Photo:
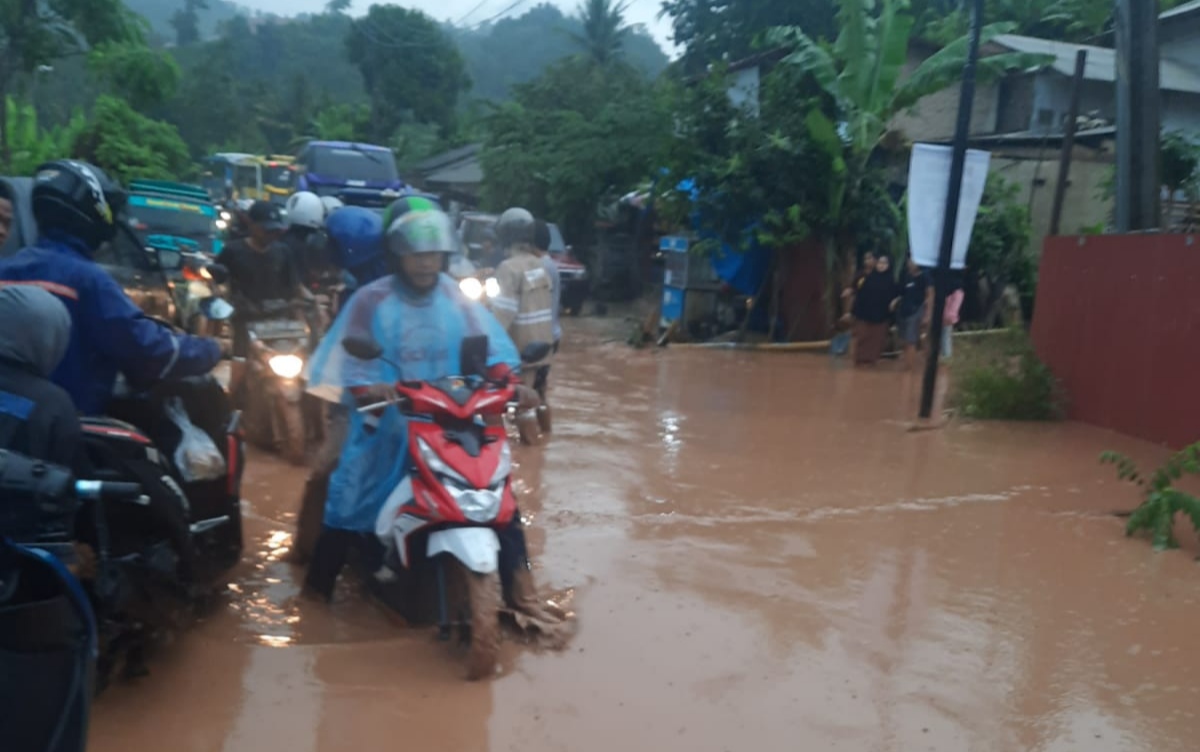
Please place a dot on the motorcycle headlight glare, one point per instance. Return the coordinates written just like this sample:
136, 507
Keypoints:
286, 366
471, 287
492, 287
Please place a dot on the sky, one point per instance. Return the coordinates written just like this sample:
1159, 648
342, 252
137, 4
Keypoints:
640, 11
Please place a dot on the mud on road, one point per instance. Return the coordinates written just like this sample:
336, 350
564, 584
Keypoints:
763, 558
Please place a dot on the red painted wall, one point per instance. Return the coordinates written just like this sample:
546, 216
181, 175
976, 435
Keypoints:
802, 294
1117, 318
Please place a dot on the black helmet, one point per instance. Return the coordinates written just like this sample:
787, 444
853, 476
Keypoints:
77, 199
516, 225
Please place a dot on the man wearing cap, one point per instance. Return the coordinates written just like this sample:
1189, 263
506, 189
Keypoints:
262, 278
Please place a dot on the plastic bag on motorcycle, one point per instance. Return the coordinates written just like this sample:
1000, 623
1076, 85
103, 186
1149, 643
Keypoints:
197, 457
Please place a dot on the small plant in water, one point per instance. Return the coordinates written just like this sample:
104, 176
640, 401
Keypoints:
1163, 501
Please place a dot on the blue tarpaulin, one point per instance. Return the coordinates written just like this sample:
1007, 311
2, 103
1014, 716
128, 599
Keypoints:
742, 269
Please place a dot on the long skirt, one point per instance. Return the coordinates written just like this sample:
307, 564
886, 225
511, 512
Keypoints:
869, 340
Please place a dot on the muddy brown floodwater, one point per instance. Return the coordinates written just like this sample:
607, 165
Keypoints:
763, 558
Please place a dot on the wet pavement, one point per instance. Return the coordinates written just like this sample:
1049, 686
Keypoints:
763, 558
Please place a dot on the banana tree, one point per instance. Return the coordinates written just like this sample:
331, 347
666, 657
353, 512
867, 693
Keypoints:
862, 75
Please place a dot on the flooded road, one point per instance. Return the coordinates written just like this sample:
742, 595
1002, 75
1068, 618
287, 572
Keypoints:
763, 558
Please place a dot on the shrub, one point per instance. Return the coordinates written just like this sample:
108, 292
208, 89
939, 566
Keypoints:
1003, 379
1157, 512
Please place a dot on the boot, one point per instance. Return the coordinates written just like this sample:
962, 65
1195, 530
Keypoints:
527, 427
543, 417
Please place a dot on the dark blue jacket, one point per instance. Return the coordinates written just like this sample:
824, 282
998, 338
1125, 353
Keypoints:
108, 332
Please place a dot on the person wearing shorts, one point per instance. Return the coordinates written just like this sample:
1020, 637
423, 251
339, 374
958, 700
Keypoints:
915, 306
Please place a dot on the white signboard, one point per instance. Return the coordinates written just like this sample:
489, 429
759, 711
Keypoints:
928, 181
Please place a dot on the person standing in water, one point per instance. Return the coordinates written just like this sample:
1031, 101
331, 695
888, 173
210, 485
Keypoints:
873, 307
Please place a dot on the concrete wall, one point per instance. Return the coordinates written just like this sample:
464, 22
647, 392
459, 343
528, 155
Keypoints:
934, 116
1116, 319
1036, 173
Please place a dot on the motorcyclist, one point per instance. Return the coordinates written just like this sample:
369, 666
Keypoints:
541, 243
37, 417
305, 237
525, 305
263, 280
77, 209
419, 317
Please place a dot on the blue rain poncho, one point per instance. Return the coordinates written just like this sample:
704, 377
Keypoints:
423, 335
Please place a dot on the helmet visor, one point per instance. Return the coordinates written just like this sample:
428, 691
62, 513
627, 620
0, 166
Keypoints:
422, 232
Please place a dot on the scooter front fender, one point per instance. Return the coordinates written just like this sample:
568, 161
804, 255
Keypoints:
478, 548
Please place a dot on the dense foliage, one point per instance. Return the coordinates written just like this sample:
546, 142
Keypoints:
1000, 252
1002, 378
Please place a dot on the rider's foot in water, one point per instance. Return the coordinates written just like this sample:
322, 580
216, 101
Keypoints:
527, 427
543, 417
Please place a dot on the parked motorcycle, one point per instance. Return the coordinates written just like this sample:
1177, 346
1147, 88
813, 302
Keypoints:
182, 443
279, 347
456, 499
48, 632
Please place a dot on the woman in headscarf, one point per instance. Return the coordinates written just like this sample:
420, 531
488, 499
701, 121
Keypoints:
37, 417
873, 306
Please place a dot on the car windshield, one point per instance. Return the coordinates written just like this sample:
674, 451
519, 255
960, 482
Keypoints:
475, 231
368, 165
279, 176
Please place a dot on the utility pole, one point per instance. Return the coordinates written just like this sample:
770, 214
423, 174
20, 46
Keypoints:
1138, 102
1068, 145
958, 159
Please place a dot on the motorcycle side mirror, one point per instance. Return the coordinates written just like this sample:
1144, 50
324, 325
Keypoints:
363, 348
219, 273
473, 355
535, 351
216, 309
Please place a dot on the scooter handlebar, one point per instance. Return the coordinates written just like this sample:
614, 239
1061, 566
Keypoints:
106, 489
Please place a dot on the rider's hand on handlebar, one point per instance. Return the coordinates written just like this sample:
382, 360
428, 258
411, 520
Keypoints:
226, 348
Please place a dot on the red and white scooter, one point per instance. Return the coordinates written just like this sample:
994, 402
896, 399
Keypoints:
458, 493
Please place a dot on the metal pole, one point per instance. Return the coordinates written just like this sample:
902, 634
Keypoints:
966, 99
1138, 102
1068, 146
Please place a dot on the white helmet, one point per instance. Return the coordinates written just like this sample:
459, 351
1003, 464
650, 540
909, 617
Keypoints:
332, 204
305, 209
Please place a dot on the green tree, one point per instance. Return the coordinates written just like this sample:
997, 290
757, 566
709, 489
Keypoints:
518, 49
999, 252
337, 6
569, 137
32, 145
604, 30
1179, 156
409, 66
142, 76
714, 30
861, 77
34, 34
130, 145
186, 22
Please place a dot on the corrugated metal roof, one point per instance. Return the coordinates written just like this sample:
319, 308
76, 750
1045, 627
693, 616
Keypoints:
1183, 10
1101, 62
465, 173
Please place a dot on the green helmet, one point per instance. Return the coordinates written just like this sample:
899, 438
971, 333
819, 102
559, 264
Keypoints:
428, 231
407, 204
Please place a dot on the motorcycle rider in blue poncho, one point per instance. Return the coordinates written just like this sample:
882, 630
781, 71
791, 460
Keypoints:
77, 208
420, 318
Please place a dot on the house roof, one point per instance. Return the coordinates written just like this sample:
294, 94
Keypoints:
467, 172
1187, 9
1094, 136
1101, 62
448, 158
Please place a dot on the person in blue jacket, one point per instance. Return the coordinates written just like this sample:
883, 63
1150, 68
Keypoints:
420, 318
77, 208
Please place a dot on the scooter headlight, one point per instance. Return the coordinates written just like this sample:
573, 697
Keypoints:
471, 287
491, 287
286, 366
222, 224
477, 504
